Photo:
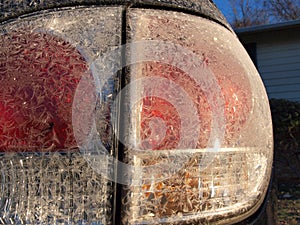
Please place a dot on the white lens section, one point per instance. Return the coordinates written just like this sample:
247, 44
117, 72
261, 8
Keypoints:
224, 188
50, 189
224, 175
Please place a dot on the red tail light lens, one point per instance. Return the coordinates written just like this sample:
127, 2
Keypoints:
237, 100
39, 78
153, 107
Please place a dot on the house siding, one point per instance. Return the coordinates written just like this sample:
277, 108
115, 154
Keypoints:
278, 61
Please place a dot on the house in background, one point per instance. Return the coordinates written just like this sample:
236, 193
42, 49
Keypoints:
275, 50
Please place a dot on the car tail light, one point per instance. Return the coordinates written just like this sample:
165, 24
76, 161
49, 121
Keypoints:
172, 127
221, 173
43, 58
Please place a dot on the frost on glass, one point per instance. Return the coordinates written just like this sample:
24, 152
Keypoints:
44, 177
39, 77
51, 189
222, 183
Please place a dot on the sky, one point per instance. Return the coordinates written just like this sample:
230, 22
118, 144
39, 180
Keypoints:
225, 8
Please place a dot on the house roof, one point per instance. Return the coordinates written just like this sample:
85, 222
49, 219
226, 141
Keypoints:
269, 27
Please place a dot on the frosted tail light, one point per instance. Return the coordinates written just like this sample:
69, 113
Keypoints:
44, 178
173, 127
222, 174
